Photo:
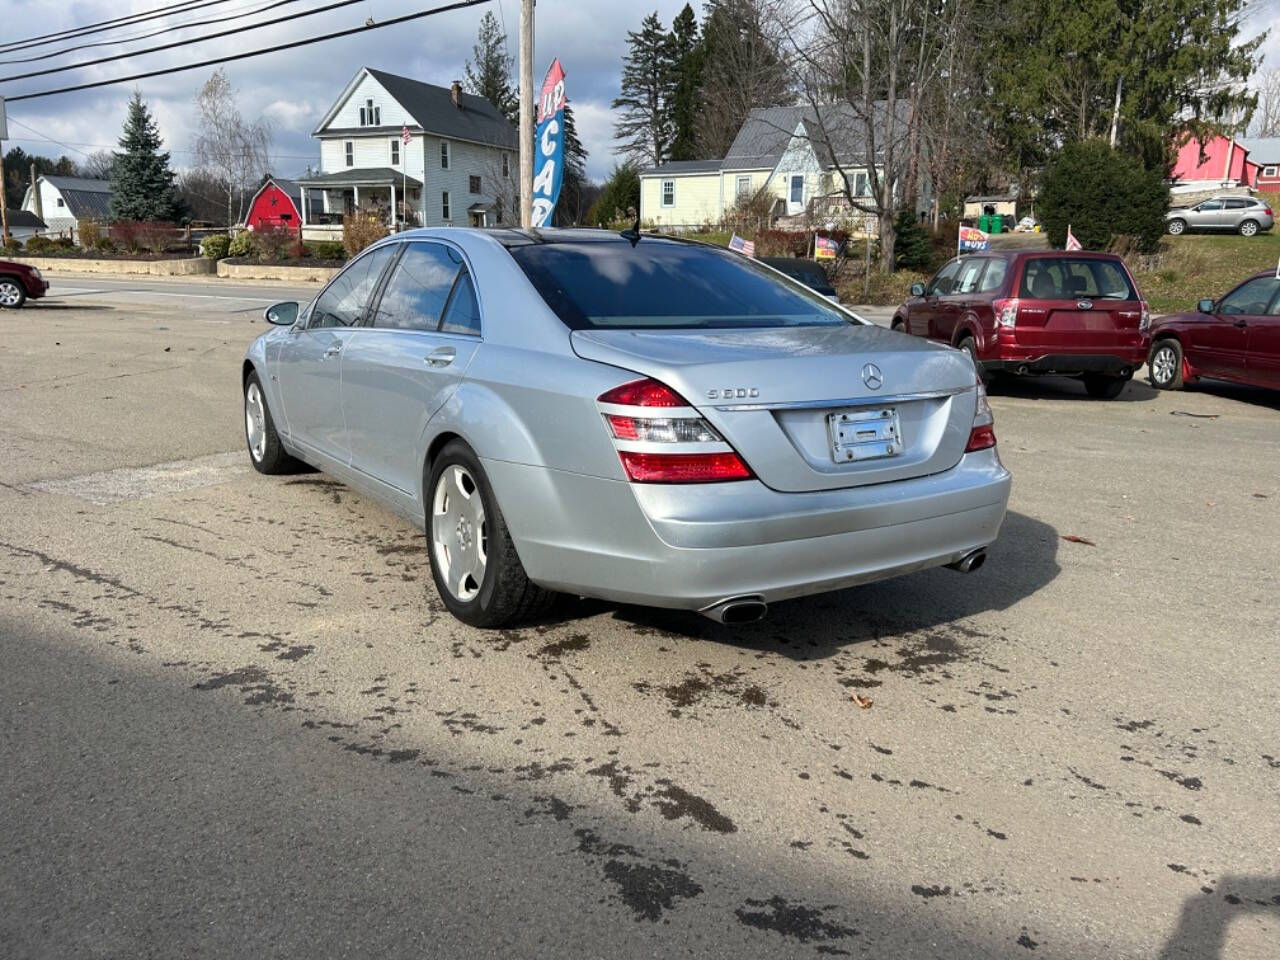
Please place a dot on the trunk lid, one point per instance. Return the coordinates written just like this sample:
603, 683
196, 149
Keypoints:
771, 393
1078, 326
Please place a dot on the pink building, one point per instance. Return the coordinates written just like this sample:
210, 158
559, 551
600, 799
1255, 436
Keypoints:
1219, 162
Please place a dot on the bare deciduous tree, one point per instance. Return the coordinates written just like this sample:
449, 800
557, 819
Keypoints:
98, 165
232, 150
1266, 116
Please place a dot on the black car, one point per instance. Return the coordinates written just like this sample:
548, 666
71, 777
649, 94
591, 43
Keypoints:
808, 272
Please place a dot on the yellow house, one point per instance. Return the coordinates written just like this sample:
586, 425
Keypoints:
780, 154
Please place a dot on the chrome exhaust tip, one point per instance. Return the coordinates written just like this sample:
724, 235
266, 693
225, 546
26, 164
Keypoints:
970, 562
737, 610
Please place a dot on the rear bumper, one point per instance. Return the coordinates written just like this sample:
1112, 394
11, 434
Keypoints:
692, 546
1119, 363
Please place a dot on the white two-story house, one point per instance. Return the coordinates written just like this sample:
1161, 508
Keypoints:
459, 167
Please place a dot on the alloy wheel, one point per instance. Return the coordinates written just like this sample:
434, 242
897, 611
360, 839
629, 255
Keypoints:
1164, 365
459, 538
10, 295
1176, 227
255, 422
1248, 228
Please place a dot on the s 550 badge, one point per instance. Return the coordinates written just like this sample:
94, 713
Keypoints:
733, 393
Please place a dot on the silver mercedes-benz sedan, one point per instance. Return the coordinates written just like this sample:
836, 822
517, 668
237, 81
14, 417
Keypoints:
631, 417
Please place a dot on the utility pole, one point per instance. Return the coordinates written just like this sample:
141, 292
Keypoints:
4, 207
526, 113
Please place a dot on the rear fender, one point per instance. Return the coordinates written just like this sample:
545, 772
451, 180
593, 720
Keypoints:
968, 327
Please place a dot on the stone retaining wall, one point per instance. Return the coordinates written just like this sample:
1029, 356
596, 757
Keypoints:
195, 266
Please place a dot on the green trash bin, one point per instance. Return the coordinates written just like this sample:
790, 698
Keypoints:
996, 224
984, 223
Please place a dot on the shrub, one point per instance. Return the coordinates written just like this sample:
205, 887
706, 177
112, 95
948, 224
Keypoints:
327, 250
39, 245
89, 232
104, 245
271, 243
359, 230
125, 234
1101, 194
781, 243
63, 243
241, 244
913, 248
215, 246
156, 236
13, 247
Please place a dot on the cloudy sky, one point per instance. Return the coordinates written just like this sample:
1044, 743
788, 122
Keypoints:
294, 88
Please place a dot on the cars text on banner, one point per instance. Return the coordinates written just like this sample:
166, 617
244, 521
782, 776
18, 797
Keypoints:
548, 162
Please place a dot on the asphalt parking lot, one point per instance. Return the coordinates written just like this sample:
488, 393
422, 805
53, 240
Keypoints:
235, 719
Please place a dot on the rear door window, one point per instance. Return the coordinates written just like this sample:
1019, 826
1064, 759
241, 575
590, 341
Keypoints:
967, 279
1238, 204
993, 279
1072, 278
462, 315
418, 290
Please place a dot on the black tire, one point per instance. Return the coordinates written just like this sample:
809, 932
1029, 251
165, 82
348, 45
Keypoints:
1248, 228
506, 595
1177, 227
969, 346
1101, 386
1164, 365
899, 325
269, 457
12, 293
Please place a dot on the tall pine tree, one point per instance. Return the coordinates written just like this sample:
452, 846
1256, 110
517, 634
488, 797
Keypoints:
489, 75
141, 181
644, 126
686, 58
569, 208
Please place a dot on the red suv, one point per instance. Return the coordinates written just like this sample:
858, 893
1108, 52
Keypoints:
1076, 314
18, 283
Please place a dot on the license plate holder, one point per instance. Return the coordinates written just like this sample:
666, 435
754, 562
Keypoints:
866, 434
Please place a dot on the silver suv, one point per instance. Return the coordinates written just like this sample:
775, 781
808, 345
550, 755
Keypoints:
1243, 215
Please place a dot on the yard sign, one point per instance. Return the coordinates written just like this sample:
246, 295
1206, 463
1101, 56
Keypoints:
549, 150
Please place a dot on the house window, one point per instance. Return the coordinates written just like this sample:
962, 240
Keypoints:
506, 166
444, 154
1268, 171
744, 188
797, 188
860, 185
474, 183
445, 212
370, 116
668, 193
61, 202
363, 122
395, 151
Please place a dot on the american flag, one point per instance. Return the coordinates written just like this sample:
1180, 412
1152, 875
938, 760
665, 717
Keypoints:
406, 136
745, 247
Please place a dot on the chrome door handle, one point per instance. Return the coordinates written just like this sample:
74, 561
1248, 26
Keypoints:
333, 351
441, 357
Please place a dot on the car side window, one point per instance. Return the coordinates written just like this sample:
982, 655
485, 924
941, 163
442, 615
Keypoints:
1237, 204
967, 280
940, 286
463, 313
1249, 299
1209, 205
345, 300
994, 277
416, 294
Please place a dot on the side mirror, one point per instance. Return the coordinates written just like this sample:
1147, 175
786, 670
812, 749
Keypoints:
1205, 306
281, 314
917, 289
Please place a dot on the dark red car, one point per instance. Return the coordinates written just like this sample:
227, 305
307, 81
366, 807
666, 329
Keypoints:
1075, 314
19, 283
1235, 338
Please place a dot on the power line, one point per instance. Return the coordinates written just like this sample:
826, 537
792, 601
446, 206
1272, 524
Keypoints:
74, 145
243, 28
458, 5
186, 6
234, 15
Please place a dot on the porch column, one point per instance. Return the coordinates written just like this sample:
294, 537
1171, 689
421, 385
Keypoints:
356, 190
304, 206
395, 227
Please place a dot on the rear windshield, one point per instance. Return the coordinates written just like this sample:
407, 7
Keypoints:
1070, 278
664, 283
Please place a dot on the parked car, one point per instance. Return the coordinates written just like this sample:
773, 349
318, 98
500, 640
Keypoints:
20, 283
1043, 312
808, 272
1243, 215
641, 419
1234, 338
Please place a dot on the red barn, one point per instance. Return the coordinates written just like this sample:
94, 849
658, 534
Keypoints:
1215, 163
1265, 152
278, 203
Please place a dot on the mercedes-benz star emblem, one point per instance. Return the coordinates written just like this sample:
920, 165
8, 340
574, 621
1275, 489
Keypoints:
872, 376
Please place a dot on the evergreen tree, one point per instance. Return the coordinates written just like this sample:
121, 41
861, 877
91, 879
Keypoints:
686, 58
645, 97
619, 199
569, 207
912, 248
141, 181
1122, 199
489, 76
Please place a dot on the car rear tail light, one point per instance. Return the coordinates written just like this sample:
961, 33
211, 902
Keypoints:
1268, 212
643, 393
683, 467
1145, 322
661, 438
982, 435
1006, 312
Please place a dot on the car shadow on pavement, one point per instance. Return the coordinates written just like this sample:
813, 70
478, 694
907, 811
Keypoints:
1022, 561
1065, 388
1201, 933
1239, 392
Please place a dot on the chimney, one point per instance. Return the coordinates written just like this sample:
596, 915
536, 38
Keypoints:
35, 193
455, 92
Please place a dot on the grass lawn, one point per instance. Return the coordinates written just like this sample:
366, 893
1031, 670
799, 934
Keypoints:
1191, 268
